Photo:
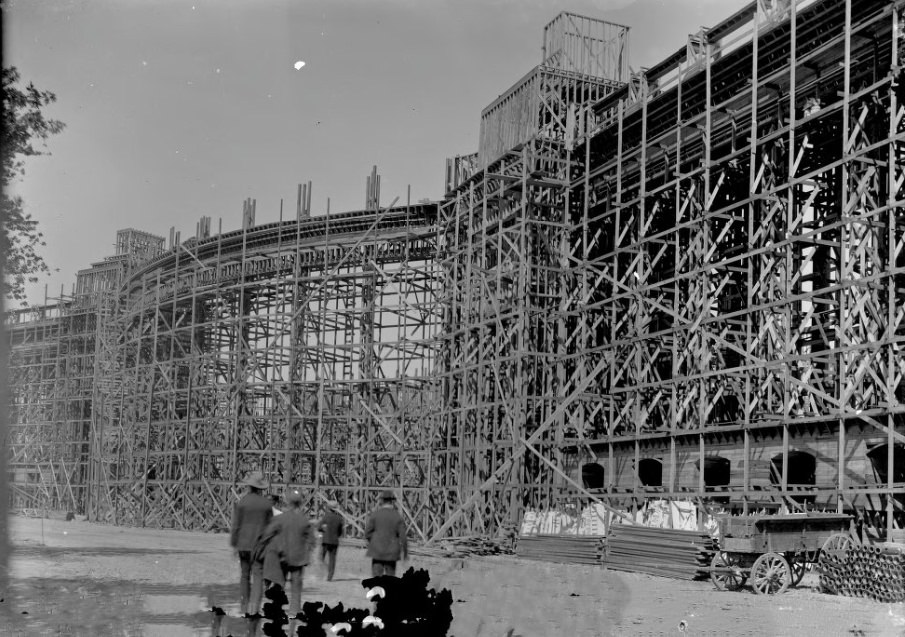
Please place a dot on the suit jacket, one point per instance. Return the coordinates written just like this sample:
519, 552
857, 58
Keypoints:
331, 525
250, 516
297, 537
386, 535
267, 552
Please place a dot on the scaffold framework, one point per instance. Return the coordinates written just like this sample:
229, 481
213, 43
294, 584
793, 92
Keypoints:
683, 283
743, 244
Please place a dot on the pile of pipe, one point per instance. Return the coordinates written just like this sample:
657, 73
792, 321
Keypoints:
566, 549
874, 571
663, 552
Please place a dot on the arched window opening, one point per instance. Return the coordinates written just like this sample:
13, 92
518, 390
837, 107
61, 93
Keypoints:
802, 472
802, 469
716, 471
650, 472
592, 476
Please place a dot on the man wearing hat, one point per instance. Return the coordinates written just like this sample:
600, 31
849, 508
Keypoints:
386, 536
250, 517
331, 526
298, 541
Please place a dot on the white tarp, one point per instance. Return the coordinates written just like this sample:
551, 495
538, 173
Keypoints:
668, 514
591, 520
684, 515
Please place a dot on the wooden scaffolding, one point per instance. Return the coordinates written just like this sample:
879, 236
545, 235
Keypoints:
685, 283
742, 231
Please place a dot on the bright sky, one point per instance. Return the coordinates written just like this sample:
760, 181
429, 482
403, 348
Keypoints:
176, 109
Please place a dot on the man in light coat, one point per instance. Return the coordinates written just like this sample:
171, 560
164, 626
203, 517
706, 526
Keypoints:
386, 535
250, 516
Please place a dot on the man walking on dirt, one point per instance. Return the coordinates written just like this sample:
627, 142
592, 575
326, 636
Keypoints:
250, 517
386, 536
284, 548
331, 526
297, 535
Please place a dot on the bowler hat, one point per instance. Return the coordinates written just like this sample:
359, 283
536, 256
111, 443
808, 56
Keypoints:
387, 496
256, 479
293, 496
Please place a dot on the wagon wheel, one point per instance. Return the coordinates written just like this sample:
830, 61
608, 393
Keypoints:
770, 574
837, 545
725, 580
798, 562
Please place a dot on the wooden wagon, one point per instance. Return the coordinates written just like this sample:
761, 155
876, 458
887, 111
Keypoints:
773, 551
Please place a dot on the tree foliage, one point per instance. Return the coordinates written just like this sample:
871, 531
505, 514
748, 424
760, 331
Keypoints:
25, 129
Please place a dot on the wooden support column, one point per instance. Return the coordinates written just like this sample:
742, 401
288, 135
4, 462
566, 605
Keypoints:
151, 379
892, 193
844, 319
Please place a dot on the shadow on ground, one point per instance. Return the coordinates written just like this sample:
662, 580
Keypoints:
109, 551
90, 607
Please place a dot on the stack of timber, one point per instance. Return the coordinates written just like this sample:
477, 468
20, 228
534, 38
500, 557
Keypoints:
663, 552
873, 571
566, 549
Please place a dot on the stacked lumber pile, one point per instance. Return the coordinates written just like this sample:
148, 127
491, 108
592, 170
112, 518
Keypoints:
567, 549
662, 552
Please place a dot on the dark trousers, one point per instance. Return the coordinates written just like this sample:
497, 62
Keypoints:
328, 557
383, 567
294, 576
251, 583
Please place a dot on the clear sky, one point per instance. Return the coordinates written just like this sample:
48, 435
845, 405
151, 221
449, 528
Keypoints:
176, 109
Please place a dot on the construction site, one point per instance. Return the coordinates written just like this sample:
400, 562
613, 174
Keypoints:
681, 284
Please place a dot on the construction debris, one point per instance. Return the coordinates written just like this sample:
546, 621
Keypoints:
467, 546
482, 546
663, 552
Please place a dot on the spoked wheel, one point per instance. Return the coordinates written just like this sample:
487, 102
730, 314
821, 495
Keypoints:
837, 545
832, 556
798, 562
727, 580
770, 574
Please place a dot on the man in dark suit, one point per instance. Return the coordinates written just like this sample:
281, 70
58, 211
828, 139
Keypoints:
250, 517
288, 541
386, 536
331, 526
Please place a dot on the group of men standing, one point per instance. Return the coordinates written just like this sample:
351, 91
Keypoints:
274, 547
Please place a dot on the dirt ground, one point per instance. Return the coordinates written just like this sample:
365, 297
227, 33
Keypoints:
78, 578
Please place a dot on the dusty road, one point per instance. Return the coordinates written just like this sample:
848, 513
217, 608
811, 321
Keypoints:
77, 578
